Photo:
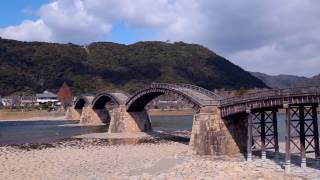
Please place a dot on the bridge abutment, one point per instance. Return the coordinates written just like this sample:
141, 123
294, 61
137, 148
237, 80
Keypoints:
213, 135
123, 121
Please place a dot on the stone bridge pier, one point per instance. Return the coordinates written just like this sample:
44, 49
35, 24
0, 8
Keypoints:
73, 114
76, 111
94, 116
210, 133
213, 135
123, 121
118, 118
109, 108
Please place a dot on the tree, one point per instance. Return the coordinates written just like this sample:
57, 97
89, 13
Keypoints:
65, 95
241, 91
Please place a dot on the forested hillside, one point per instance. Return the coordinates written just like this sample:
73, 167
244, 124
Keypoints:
36, 66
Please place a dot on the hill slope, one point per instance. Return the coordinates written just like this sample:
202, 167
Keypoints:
287, 81
36, 66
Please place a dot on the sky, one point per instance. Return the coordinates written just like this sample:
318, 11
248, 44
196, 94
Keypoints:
269, 36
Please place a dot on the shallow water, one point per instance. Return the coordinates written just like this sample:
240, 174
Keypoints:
17, 132
172, 122
43, 131
20, 132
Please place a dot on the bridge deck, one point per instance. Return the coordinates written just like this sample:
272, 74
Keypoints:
270, 98
202, 96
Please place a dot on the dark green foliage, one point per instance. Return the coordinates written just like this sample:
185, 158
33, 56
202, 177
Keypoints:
38, 66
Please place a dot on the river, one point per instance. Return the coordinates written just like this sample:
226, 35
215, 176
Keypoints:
42, 131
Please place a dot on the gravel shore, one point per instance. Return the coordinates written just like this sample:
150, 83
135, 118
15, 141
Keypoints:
163, 160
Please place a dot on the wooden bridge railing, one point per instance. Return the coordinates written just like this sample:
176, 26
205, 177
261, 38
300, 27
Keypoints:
267, 94
214, 98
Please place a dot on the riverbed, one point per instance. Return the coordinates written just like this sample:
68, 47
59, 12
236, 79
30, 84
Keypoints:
47, 131
59, 158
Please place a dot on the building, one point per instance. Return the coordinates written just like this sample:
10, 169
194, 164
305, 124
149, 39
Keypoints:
28, 100
47, 97
10, 101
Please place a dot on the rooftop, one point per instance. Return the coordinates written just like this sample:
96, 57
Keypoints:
46, 94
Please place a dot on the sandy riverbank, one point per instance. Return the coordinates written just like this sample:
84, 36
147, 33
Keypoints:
165, 160
6, 115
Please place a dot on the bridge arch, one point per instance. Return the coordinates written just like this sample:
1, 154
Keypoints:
75, 112
98, 112
194, 95
100, 100
203, 102
82, 101
130, 114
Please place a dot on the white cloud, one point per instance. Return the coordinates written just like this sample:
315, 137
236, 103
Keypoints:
69, 21
60, 21
257, 35
27, 31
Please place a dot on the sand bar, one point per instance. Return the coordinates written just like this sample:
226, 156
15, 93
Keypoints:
165, 160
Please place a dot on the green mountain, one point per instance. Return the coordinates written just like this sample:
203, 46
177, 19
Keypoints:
287, 81
36, 66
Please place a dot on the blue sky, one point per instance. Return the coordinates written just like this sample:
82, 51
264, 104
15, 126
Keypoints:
274, 36
16, 11
122, 33
12, 11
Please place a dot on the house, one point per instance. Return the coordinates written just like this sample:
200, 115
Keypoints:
28, 100
47, 97
10, 101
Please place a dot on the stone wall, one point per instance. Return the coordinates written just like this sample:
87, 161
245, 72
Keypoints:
123, 121
212, 135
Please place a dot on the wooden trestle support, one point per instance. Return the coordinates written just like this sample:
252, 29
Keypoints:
262, 132
301, 132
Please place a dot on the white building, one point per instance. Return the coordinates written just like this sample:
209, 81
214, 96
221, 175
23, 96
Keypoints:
10, 101
47, 97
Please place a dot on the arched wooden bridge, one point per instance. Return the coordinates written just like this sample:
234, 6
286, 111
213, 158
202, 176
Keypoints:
221, 126
195, 95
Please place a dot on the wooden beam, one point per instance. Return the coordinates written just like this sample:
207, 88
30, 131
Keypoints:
315, 131
263, 135
302, 137
287, 138
275, 131
249, 136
